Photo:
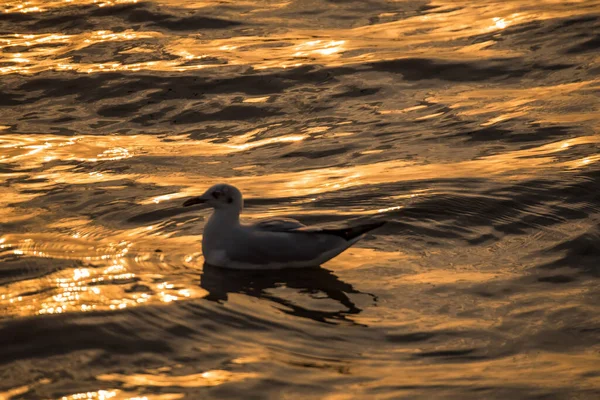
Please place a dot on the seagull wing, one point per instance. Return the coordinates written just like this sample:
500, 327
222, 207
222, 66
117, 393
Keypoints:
278, 225
277, 248
283, 243
293, 226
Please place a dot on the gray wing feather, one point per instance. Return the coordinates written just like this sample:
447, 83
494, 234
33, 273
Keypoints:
278, 225
263, 247
285, 240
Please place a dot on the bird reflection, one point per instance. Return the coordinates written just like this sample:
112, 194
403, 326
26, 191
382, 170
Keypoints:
219, 282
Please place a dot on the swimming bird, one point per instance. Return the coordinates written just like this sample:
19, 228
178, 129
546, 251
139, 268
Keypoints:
269, 244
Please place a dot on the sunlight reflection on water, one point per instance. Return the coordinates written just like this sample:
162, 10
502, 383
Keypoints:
472, 127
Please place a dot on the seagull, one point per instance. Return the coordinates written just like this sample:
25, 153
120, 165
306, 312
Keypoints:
274, 243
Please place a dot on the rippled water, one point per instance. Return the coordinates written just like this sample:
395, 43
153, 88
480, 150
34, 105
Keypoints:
472, 126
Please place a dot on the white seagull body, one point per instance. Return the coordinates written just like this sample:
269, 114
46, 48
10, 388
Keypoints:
269, 244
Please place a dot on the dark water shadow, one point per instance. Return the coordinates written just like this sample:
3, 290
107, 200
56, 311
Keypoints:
319, 283
143, 15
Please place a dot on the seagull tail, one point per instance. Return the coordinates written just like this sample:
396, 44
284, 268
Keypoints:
354, 232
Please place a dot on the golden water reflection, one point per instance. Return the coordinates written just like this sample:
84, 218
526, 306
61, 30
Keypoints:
413, 36
538, 369
39, 151
511, 166
512, 102
116, 394
156, 380
29, 6
101, 276
208, 378
86, 264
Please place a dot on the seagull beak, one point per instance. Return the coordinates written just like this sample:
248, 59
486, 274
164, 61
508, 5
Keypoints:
194, 200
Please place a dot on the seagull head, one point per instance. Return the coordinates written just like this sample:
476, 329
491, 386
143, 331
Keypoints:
220, 196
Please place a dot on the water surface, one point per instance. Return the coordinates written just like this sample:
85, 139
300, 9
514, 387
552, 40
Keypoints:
473, 127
